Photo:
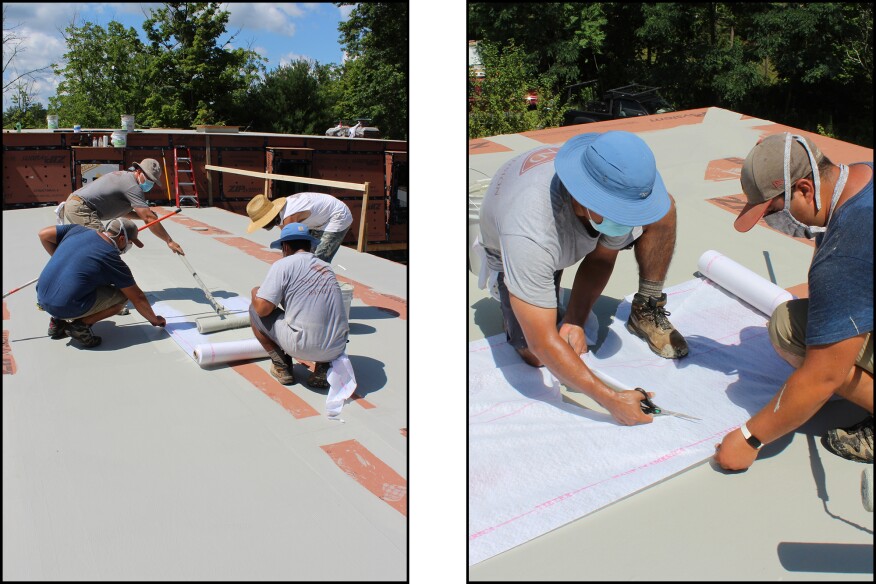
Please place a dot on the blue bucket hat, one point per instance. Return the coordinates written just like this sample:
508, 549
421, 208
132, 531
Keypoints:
615, 175
293, 231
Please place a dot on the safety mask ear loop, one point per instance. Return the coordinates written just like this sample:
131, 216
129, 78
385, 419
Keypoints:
787, 180
837, 192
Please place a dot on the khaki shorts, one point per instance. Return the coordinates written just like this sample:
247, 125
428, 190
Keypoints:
788, 332
107, 296
77, 212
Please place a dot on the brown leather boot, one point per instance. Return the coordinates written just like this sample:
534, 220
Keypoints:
648, 321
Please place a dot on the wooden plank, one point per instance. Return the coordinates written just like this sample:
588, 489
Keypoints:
300, 179
362, 222
387, 246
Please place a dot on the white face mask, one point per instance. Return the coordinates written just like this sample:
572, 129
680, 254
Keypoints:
129, 243
784, 221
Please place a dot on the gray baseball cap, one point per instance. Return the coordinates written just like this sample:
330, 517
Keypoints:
151, 169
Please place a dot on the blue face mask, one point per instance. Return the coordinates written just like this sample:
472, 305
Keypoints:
146, 185
609, 227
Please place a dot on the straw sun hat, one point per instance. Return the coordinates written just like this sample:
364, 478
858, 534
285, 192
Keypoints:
262, 211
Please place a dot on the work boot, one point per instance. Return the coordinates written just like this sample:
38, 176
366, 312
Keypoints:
82, 333
56, 328
281, 367
318, 379
852, 443
648, 321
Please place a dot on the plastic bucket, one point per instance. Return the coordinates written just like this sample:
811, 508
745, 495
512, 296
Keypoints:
128, 122
347, 296
119, 138
52, 121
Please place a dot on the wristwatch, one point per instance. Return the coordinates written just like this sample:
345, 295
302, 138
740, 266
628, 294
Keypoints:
749, 437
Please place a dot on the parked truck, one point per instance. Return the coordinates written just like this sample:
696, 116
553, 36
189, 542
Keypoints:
624, 102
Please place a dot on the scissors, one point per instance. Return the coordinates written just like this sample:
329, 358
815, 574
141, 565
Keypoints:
650, 407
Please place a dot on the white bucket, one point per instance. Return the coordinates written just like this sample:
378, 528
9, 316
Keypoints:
347, 296
52, 120
119, 138
128, 122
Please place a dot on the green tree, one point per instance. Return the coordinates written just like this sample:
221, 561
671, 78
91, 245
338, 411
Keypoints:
103, 76
374, 82
24, 110
193, 77
294, 99
498, 101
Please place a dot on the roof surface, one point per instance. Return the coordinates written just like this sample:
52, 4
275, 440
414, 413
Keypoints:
130, 461
797, 513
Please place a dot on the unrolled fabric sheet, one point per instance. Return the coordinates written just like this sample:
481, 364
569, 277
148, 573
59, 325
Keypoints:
341, 378
537, 463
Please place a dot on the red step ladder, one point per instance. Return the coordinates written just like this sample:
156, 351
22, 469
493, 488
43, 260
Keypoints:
184, 178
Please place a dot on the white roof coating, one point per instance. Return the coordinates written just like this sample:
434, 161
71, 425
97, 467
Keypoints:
797, 513
130, 461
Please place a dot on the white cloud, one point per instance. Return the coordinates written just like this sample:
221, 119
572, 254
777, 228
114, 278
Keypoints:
276, 18
290, 57
345, 11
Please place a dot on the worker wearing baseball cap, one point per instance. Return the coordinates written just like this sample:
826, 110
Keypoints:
826, 337
550, 208
119, 194
86, 280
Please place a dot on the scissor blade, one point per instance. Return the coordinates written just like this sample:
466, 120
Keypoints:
679, 415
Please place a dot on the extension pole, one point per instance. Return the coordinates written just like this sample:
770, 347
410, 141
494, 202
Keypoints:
162, 218
220, 310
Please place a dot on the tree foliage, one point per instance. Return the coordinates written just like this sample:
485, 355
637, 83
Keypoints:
808, 65
374, 83
195, 78
103, 74
24, 110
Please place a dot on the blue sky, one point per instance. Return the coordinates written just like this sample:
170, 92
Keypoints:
280, 32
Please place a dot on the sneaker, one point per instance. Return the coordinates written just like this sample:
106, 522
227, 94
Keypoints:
282, 374
82, 333
648, 321
852, 443
318, 379
56, 328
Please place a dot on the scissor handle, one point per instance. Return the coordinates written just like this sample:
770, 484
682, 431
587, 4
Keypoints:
647, 405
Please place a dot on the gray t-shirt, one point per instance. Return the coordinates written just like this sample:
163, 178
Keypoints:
306, 287
113, 195
529, 228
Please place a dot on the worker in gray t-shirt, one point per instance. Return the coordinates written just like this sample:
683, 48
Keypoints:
312, 323
119, 194
550, 208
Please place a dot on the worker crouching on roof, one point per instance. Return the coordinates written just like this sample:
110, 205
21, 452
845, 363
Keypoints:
828, 337
547, 209
86, 279
119, 194
312, 323
327, 217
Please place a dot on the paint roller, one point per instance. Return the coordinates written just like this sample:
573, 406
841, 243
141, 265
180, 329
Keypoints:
151, 223
224, 319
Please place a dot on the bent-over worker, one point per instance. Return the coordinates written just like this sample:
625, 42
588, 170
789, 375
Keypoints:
327, 218
119, 194
298, 311
86, 280
828, 337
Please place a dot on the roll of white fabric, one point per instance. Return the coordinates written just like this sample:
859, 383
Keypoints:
214, 353
742, 282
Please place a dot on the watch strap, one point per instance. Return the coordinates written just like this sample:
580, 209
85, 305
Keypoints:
749, 437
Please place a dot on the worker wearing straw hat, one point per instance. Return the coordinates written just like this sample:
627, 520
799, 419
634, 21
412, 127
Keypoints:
327, 218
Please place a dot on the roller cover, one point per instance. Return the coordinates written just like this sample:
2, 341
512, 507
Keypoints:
215, 353
212, 324
739, 280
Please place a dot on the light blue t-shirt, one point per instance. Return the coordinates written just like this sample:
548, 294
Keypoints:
316, 321
841, 274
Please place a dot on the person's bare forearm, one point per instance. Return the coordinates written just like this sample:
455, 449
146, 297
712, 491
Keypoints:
590, 280
570, 370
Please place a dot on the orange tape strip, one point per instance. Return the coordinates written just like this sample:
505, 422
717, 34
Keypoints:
370, 472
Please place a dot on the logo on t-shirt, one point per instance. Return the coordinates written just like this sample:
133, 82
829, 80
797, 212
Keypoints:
538, 158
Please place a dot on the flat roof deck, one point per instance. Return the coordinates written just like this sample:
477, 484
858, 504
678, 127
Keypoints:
797, 513
130, 461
